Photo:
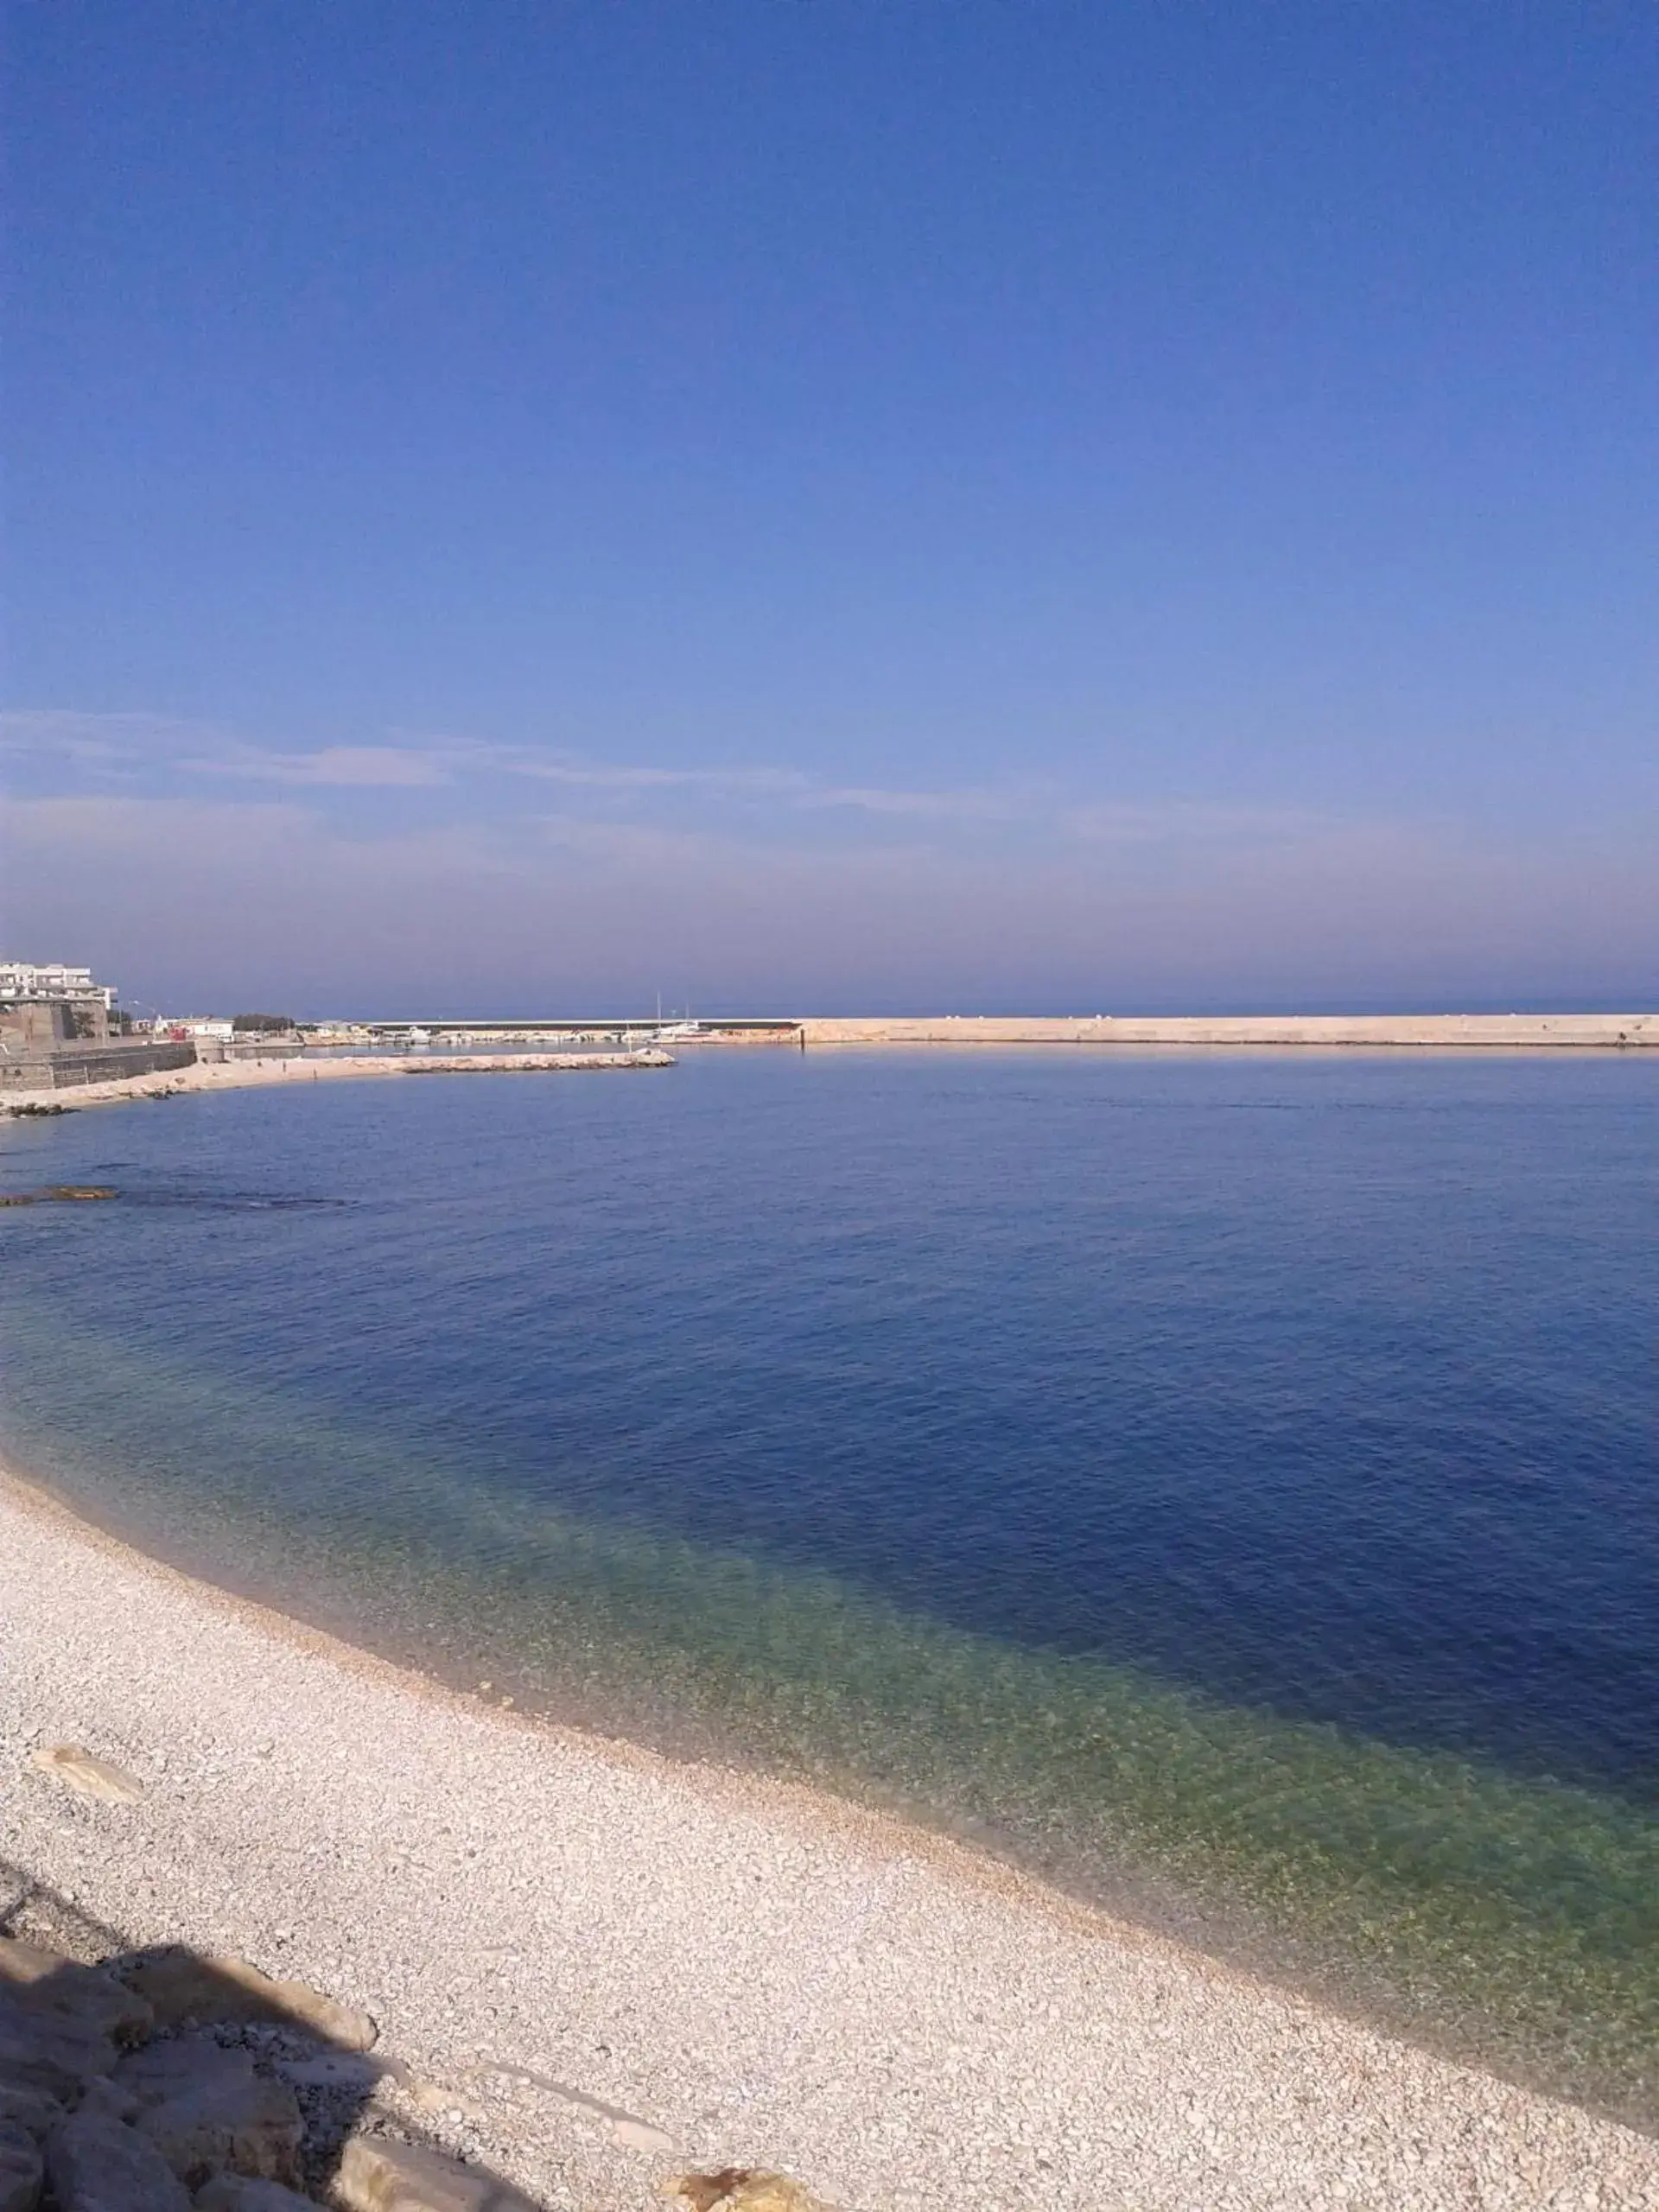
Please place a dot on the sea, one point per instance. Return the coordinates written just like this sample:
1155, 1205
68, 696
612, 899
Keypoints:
1226, 1484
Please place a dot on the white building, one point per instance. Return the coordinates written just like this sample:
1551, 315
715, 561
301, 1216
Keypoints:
24, 980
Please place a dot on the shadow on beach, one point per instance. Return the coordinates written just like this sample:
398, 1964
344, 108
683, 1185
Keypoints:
159, 2079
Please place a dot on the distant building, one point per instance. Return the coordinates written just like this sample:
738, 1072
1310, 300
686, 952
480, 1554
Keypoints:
25, 979
45, 1005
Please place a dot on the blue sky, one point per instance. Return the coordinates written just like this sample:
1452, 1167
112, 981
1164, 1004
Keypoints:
524, 506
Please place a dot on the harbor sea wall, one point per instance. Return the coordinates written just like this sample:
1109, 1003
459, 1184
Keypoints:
1416, 1031
72, 1065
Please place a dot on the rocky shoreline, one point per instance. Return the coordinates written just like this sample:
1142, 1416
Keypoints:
136, 2079
159, 2081
295, 1074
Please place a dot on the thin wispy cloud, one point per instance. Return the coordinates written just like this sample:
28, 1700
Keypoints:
106, 743
72, 725
756, 799
341, 768
785, 787
1046, 809
610, 776
579, 876
1186, 821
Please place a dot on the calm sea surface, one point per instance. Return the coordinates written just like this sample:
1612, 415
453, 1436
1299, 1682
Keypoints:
1230, 1482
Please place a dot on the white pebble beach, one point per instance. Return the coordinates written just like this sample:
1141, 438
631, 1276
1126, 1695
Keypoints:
607, 1967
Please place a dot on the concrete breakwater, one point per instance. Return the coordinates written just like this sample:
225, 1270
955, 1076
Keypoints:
1329, 1032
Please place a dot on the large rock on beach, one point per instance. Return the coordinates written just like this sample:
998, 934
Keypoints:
235, 2193
179, 1985
32, 2110
379, 2174
42, 2051
108, 2103
208, 2112
45, 1981
21, 2169
95, 2165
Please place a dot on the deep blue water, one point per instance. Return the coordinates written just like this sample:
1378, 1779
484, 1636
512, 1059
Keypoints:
1324, 1389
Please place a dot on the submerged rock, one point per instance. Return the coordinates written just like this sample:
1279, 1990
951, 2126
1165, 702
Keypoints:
56, 1193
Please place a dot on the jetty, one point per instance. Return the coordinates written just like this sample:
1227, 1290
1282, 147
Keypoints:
1529, 1033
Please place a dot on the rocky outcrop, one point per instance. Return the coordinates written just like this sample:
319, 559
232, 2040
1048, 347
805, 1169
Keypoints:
31, 2109
21, 2169
127, 2086
231, 2193
55, 2056
96, 2165
42, 1980
649, 1056
208, 2112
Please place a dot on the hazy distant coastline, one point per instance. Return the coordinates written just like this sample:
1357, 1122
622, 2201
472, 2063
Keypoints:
1515, 1033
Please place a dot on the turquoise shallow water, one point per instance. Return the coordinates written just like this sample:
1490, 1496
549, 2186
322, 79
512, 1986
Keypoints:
1231, 1484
